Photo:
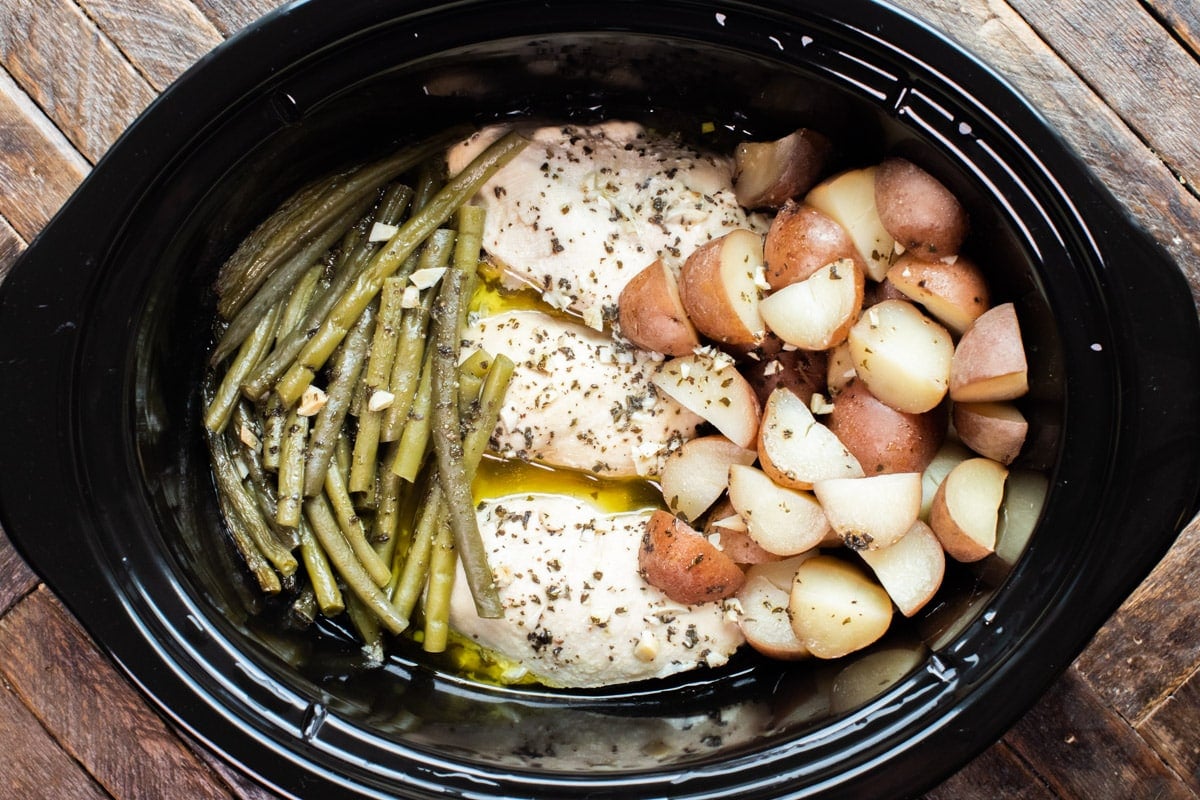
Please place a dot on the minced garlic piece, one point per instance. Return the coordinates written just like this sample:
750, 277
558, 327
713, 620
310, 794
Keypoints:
380, 400
381, 232
819, 405
312, 401
646, 648
425, 278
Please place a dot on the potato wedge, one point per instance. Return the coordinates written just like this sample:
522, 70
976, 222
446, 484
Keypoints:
652, 316
817, 312
871, 512
839, 369
918, 210
849, 199
994, 430
965, 510
720, 287
952, 290
801, 240
947, 458
727, 530
871, 674
711, 387
882, 438
989, 361
835, 608
910, 569
801, 371
902, 355
782, 521
764, 600
683, 564
795, 449
697, 472
766, 174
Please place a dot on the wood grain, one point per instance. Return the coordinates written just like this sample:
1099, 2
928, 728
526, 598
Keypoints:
1183, 17
38, 167
11, 246
1172, 731
54, 668
997, 774
73, 72
16, 579
230, 16
162, 38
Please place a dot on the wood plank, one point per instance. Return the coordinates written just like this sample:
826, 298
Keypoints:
38, 167
34, 764
11, 246
72, 71
1171, 730
1182, 17
996, 774
16, 578
161, 37
77, 693
230, 16
1152, 644
1084, 750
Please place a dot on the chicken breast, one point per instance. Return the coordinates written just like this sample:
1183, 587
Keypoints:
577, 613
583, 209
579, 400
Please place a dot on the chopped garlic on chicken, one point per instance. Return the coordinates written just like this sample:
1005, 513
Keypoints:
583, 209
576, 611
577, 399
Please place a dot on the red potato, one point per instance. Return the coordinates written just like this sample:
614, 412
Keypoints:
782, 521
989, 361
902, 356
871, 512
849, 199
766, 174
965, 510
994, 430
836, 608
732, 537
865, 678
918, 210
683, 564
882, 438
801, 240
651, 313
764, 599
795, 450
953, 290
910, 569
712, 388
817, 312
947, 458
697, 472
801, 371
719, 286
839, 369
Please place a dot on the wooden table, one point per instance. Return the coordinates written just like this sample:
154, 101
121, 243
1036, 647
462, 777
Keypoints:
1119, 78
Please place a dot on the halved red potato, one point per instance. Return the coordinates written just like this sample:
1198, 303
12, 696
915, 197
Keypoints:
953, 290
782, 521
849, 199
697, 472
803, 239
864, 678
801, 371
882, 438
989, 361
839, 369
871, 512
719, 286
726, 528
836, 608
948, 456
764, 599
995, 430
766, 174
965, 511
817, 312
683, 564
711, 387
795, 449
918, 210
910, 569
902, 355
651, 313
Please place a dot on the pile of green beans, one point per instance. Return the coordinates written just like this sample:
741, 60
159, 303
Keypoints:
343, 427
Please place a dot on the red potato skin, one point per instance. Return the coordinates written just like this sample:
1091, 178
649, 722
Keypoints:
802, 371
800, 241
805, 154
652, 316
918, 210
883, 439
687, 567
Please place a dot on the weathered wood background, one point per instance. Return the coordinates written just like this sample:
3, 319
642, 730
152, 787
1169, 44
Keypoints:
1119, 78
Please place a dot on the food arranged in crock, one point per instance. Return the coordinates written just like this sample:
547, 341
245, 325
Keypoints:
596, 406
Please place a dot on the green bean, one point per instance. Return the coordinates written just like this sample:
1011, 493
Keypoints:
251, 351
320, 574
274, 422
302, 218
352, 527
366, 624
264, 575
391, 209
298, 302
325, 527
406, 369
442, 562
291, 470
414, 441
379, 369
411, 234
263, 488
430, 178
408, 581
328, 423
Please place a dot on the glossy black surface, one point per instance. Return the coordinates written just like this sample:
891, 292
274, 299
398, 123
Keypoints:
104, 322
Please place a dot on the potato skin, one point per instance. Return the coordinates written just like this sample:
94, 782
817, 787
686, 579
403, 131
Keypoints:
651, 314
707, 299
918, 210
683, 564
883, 439
770, 173
802, 371
800, 241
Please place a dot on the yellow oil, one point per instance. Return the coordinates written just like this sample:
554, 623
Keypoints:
498, 477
